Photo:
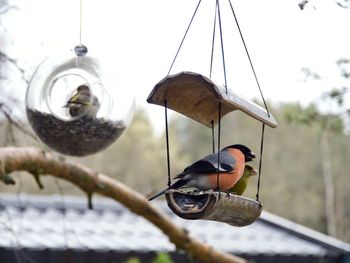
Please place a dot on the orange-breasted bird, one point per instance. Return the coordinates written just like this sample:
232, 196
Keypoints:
203, 174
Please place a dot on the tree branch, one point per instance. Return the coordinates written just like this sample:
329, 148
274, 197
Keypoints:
12, 121
39, 162
5, 57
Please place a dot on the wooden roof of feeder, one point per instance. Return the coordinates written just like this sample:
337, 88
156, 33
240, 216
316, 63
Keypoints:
197, 97
223, 207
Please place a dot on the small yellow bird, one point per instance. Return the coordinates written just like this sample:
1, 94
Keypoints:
82, 103
242, 183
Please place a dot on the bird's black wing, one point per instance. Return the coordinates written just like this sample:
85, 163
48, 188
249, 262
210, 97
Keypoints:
209, 164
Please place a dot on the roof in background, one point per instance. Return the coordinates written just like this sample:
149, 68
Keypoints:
59, 222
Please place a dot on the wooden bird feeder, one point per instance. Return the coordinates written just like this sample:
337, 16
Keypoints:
228, 208
197, 97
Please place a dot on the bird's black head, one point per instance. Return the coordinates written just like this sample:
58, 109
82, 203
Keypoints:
248, 154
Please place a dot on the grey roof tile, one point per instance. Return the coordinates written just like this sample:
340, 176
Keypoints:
42, 222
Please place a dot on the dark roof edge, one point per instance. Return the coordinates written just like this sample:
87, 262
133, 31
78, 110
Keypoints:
304, 232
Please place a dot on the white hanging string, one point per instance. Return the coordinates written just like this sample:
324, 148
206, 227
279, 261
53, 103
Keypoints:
80, 21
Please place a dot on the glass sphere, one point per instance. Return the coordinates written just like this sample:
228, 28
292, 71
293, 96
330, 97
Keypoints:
75, 105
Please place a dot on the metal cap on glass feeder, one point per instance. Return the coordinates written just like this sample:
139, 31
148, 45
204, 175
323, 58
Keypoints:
74, 103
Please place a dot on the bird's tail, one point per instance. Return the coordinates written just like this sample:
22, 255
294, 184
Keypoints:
158, 194
178, 184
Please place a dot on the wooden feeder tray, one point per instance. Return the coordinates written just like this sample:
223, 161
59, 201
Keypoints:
198, 98
228, 208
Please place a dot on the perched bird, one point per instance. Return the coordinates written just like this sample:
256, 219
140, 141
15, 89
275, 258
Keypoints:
82, 103
203, 174
242, 183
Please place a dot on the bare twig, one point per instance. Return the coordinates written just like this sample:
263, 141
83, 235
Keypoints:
11, 119
6, 8
5, 58
343, 3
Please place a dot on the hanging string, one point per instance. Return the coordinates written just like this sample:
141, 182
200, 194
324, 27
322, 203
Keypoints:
219, 135
80, 21
222, 45
250, 61
213, 135
260, 161
167, 141
183, 39
213, 42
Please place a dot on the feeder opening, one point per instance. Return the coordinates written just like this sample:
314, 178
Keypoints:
190, 202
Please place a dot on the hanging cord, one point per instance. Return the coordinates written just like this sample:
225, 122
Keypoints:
260, 161
80, 21
183, 39
219, 135
210, 73
213, 135
263, 98
167, 140
250, 61
80, 50
212, 44
222, 45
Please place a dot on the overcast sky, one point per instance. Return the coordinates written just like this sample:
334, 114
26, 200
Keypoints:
141, 38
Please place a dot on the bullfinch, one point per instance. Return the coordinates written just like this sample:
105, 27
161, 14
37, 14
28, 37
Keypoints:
206, 173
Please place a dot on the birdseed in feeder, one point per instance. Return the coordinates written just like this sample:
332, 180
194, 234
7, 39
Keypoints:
79, 137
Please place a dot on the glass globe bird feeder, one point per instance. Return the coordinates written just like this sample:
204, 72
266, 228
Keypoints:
74, 105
